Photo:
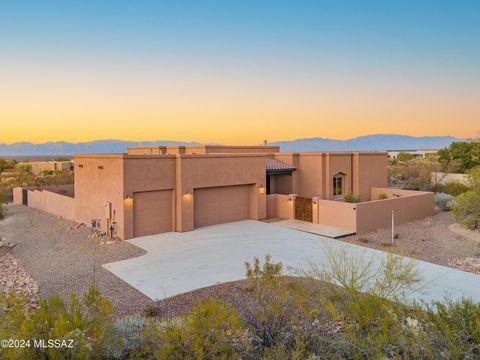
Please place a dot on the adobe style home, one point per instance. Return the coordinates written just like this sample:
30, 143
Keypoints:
156, 189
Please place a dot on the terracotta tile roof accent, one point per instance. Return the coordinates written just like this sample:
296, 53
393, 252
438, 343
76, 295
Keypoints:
274, 166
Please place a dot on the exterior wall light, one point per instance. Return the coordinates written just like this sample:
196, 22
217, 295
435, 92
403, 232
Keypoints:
261, 189
187, 195
128, 201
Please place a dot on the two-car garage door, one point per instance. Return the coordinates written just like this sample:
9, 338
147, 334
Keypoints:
152, 212
217, 205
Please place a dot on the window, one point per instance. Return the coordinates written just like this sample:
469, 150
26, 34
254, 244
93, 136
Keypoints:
338, 185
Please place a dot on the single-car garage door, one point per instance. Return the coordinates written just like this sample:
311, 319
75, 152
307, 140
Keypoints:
152, 212
223, 204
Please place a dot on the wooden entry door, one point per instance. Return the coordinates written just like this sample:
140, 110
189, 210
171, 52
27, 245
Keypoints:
303, 209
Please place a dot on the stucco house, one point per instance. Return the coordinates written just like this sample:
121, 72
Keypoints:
39, 166
155, 189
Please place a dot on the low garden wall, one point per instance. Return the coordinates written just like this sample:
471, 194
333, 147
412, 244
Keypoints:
279, 206
337, 214
376, 214
407, 206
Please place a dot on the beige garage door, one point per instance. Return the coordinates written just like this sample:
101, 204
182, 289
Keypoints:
152, 212
221, 204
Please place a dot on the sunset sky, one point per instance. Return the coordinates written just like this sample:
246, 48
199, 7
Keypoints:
237, 71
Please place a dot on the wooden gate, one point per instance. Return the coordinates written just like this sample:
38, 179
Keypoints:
303, 209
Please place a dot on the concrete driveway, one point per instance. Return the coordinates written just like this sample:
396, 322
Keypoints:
180, 262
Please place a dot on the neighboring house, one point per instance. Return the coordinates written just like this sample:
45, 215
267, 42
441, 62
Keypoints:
418, 154
157, 189
39, 166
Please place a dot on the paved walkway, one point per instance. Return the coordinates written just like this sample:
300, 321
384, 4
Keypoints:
328, 231
180, 262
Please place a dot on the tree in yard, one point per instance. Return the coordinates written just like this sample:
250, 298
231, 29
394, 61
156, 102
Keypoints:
403, 157
7, 164
460, 156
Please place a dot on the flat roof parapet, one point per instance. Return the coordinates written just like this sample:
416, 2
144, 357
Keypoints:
200, 149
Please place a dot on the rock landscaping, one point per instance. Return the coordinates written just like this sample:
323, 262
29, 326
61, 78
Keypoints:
469, 264
14, 277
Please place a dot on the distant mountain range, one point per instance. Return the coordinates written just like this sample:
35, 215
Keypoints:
369, 142
67, 148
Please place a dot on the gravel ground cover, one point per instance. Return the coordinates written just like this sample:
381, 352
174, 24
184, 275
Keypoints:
62, 258
430, 239
234, 293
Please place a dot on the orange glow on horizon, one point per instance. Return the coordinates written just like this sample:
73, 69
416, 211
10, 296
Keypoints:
208, 108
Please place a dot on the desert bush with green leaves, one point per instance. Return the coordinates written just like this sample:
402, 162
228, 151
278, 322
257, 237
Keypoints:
350, 198
350, 307
212, 330
453, 188
85, 322
3, 202
467, 205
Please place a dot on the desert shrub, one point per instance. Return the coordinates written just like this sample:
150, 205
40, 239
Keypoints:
467, 210
414, 174
3, 210
453, 188
3, 202
467, 205
350, 198
126, 338
367, 298
444, 201
275, 314
152, 310
212, 330
6, 165
86, 323
285, 323
382, 196
404, 156
454, 329
24, 168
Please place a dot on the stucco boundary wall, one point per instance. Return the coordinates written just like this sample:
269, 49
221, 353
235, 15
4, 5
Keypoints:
56, 204
407, 206
280, 206
376, 214
336, 214
17, 195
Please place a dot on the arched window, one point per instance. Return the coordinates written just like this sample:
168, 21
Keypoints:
338, 183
